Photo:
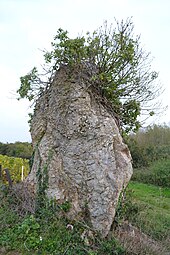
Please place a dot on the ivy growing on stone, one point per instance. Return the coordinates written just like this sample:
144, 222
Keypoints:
118, 68
42, 183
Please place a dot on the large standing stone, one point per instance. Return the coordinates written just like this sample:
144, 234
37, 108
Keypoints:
77, 139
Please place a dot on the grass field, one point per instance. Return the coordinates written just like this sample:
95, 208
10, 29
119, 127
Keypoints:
153, 216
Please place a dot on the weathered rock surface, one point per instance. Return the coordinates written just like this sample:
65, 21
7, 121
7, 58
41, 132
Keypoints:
78, 141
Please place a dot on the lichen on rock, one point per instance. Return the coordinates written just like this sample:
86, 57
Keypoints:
90, 164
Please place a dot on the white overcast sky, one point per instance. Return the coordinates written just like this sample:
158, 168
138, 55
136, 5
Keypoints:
29, 25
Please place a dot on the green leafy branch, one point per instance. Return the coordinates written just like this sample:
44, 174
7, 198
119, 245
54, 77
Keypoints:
117, 67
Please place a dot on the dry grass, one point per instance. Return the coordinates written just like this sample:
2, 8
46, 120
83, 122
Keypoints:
22, 199
3, 251
137, 243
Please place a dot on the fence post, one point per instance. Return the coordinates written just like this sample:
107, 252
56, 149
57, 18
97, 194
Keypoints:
0, 172
8, 177
22, 174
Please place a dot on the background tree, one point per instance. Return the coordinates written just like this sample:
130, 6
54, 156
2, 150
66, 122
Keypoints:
118, 69
149, 145
17, 149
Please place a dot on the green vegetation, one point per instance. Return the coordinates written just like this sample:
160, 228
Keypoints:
42, 184
158, 173
118, 71
49, 232
112, 61
153, 203
17, 149
150, 149
149, 145
145, 206
15, 167
40, 226
146, 202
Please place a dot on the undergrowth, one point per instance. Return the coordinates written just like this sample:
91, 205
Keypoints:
49, 232
157, 174
43, 228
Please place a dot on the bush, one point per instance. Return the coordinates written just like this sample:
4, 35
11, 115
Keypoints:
139, 155
158, 173
149, 144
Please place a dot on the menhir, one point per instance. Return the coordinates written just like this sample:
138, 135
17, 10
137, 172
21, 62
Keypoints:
76, 139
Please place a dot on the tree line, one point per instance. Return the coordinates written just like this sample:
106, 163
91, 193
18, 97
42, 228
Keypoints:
17, 149
149, 144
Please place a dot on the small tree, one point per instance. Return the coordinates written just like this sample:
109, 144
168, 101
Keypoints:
119, 70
